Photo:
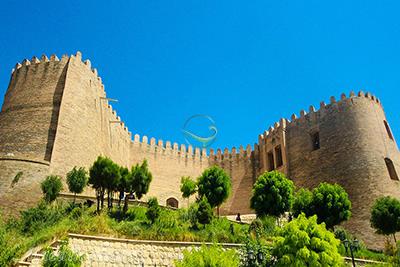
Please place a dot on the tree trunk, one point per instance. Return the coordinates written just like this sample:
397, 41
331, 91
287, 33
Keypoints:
102, 199
121, 196
394, 237
218, 211
98, 201
125, 209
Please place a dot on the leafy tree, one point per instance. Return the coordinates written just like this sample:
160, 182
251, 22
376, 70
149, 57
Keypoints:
103, 175
77, 180
304, 242
153, 209
302, 202
138, 182
385, 216
188, 187
215, 185
212, 256
51, 187
112, 181
272, 194
204, 212
330, 203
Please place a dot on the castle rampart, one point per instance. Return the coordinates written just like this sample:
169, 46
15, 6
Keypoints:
56, 115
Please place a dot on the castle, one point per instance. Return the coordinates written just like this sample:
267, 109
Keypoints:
56, 115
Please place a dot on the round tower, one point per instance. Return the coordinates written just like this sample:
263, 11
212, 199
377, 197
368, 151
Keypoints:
28, 122
348, 142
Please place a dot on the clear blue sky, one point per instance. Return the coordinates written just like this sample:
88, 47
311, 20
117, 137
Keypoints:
245, 63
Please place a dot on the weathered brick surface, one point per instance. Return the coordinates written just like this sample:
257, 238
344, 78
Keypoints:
55, 116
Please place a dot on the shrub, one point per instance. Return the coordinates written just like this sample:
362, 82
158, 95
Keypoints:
304, 242
153, 210
213, 256
40, 217
204, 213
8, 250
255, 253
65, 258
272, 194
51, 187
265, 226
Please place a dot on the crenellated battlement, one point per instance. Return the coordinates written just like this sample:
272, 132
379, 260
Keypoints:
303, 114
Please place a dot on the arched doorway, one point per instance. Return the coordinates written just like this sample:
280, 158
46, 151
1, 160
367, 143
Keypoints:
172, 202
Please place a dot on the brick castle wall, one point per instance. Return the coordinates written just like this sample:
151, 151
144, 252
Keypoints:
56, 115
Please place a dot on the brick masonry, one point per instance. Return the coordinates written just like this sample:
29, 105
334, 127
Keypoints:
56, 115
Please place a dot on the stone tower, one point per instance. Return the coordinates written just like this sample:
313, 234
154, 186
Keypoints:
56, 116
348, 142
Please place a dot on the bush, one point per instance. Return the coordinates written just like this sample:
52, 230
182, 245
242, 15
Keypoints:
256, 253
204, 213
213, 256
153, 210
40, 217
263, 226
304, 242
272, 194
65, 258
51, 187
8, 250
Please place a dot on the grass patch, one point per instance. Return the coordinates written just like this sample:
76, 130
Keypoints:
46, 222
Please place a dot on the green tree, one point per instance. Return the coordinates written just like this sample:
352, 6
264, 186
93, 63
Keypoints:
272, 194
215, 185
103, 175
385, 216
330, 203
302, 202
77, 180
188, 187
138, 183
212, 256
153, 210
51, 187
304, 242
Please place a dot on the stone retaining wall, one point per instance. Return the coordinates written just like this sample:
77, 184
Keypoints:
105, 251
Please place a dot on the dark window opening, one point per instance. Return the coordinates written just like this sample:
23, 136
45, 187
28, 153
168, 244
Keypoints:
278, 155
271, 164
172, 202
315, 141
391, 169
389, 132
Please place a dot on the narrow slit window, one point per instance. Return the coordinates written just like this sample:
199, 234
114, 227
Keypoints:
278, 154
315, 141
271, 164
389, 132
391, 169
